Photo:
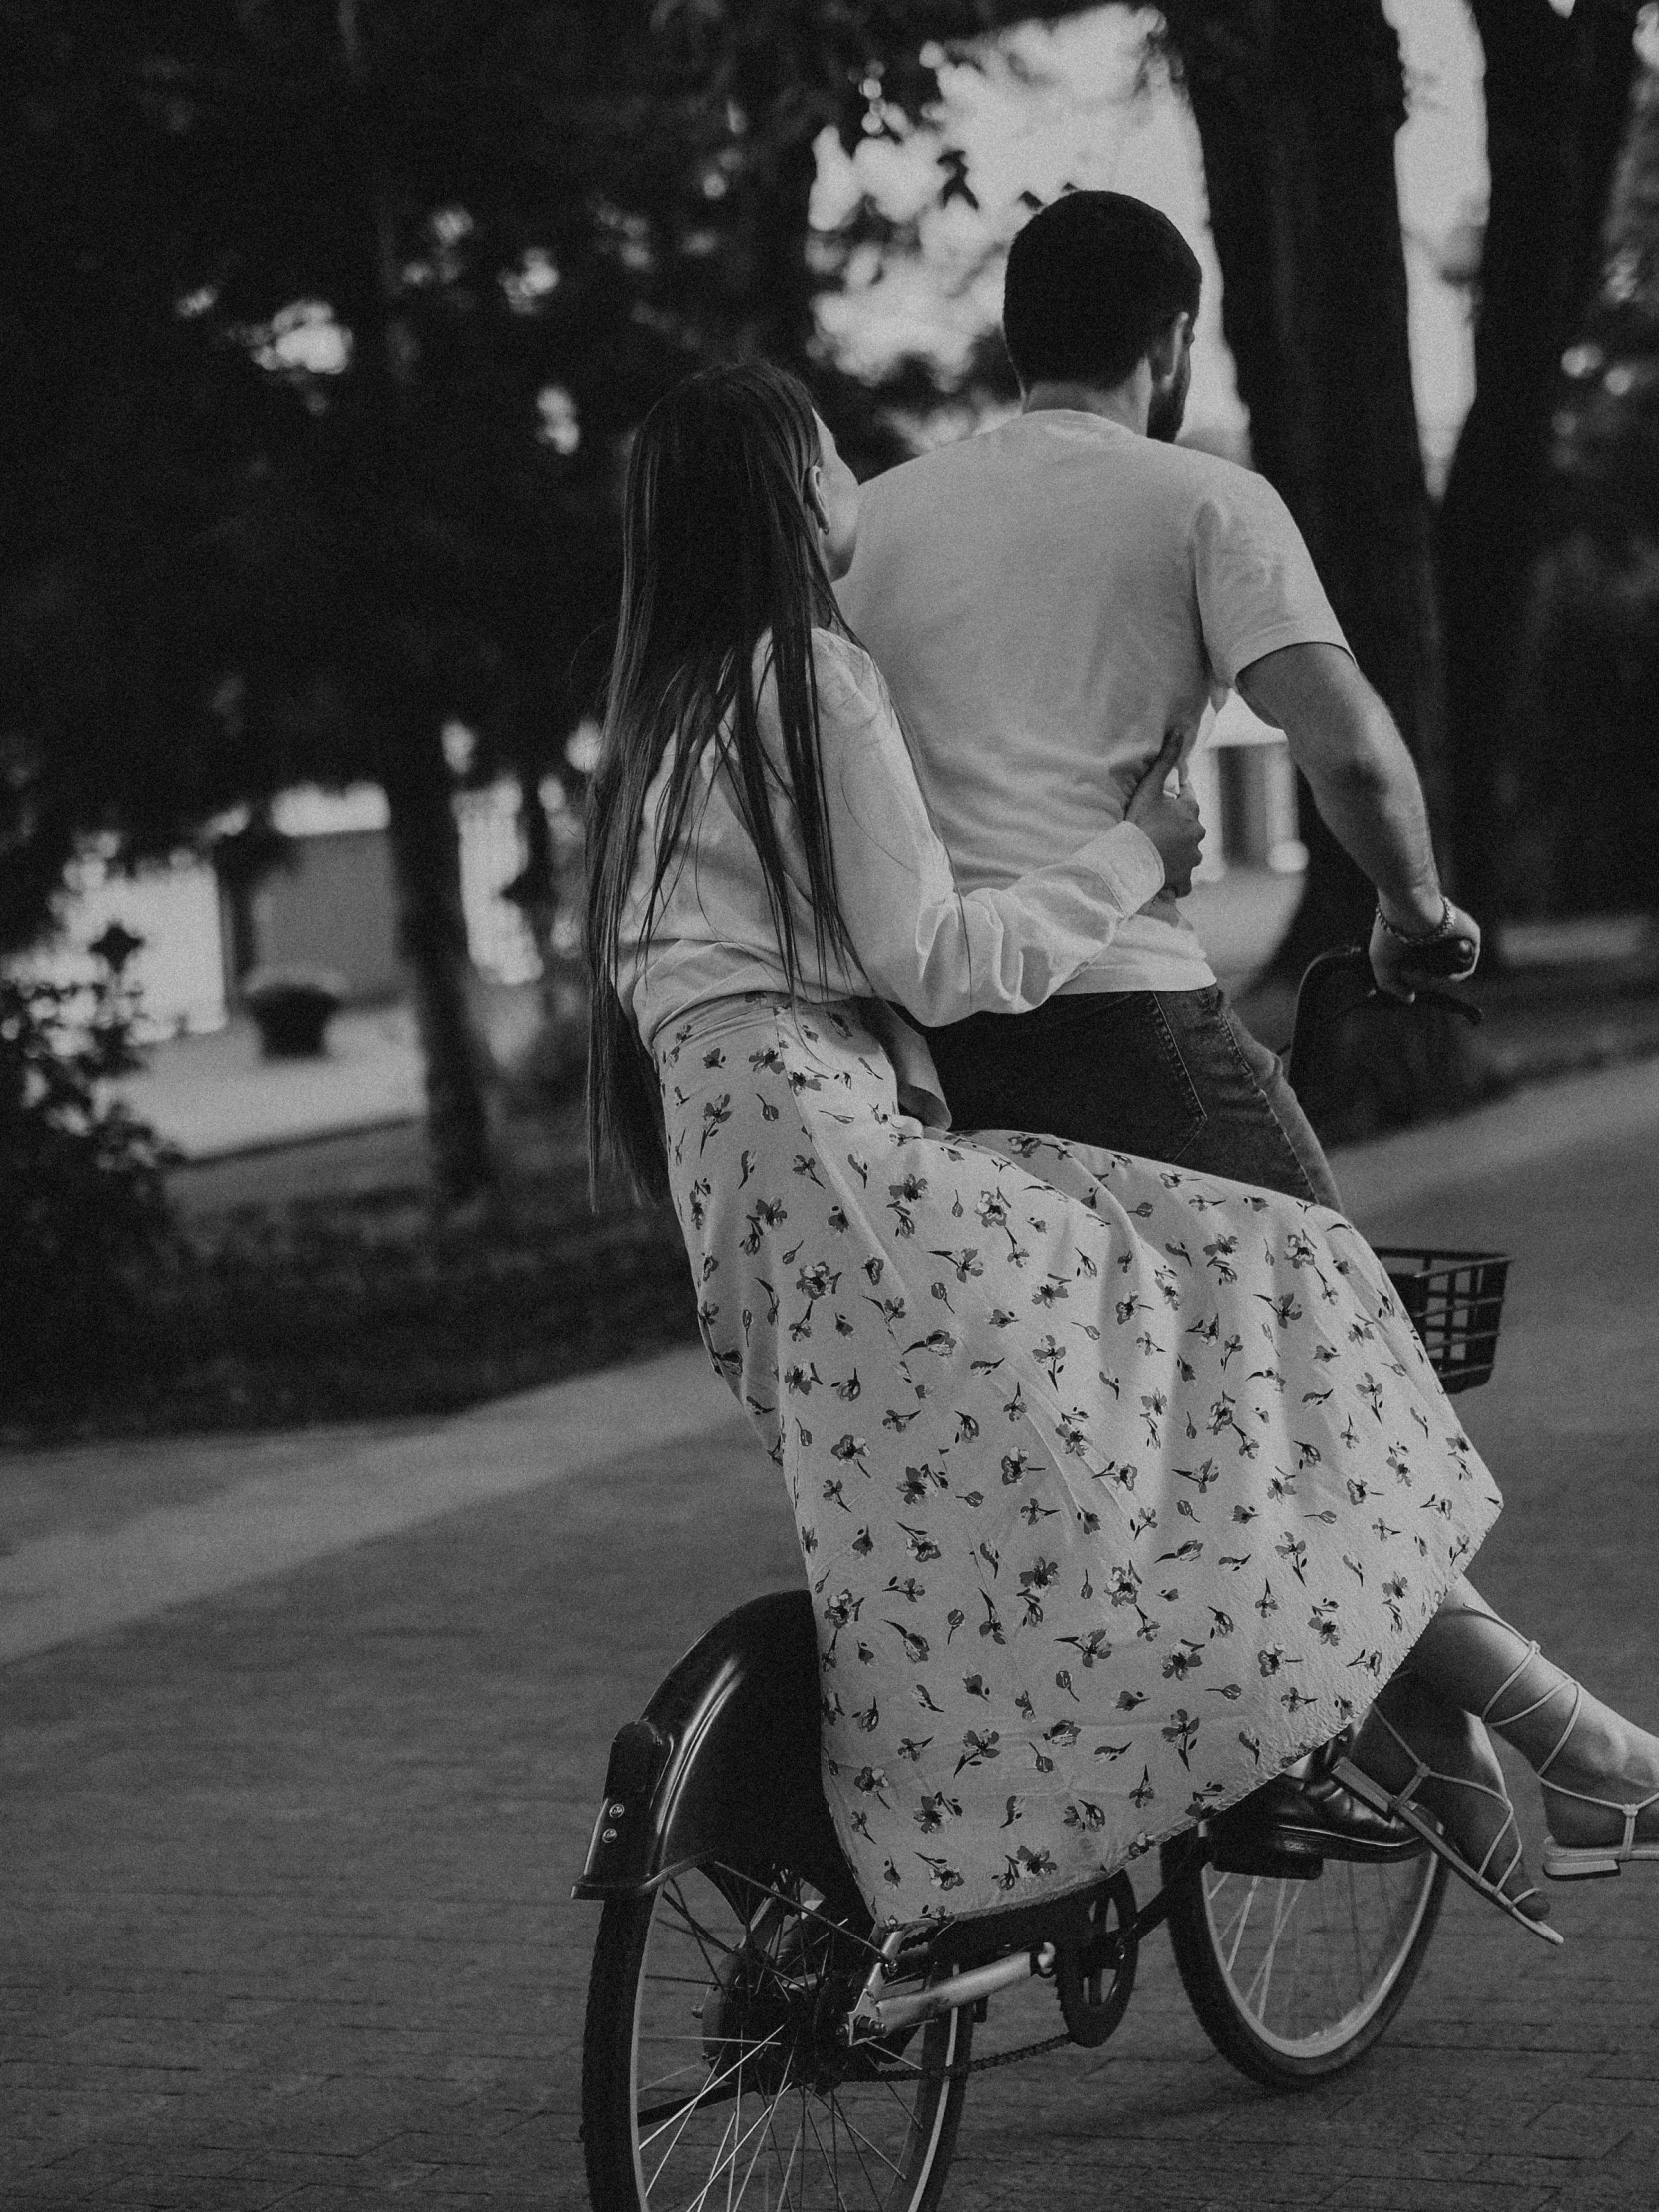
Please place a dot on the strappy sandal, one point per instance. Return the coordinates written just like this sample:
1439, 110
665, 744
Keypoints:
1399, 1803
1576, 1861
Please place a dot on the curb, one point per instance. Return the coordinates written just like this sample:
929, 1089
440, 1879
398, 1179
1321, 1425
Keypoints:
77, 1581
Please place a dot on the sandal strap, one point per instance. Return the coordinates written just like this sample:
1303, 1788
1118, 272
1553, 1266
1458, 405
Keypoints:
1562, 1682
1420, 1766
1560, 1742
1423, 1772
1516, 1857
1632, 1812
1509, 1682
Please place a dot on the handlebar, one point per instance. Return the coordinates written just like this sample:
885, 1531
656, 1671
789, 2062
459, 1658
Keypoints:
1339, 983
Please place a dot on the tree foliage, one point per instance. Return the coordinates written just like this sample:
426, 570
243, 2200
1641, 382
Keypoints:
328, 323
1589, 660
1298, 105
325, 322
1556, 93
80, 1182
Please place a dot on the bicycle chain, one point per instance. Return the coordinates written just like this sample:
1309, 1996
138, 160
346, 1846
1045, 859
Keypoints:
981, 2065
1005, 2058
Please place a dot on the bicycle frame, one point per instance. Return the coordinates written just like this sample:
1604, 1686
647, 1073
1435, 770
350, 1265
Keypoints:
728, 1745
727, 1748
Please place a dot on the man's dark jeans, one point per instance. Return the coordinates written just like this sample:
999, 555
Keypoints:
1170, 1075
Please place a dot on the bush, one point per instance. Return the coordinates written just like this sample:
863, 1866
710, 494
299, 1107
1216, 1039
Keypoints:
350, 1309
83, 1217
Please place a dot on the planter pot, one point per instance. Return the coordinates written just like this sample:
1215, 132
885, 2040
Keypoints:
292, 1009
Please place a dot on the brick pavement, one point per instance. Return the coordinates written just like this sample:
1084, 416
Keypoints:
285, 1868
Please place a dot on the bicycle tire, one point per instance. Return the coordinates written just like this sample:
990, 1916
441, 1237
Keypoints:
710, 2068
1295, 1979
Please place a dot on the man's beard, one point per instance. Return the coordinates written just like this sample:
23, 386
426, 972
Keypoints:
1169, 408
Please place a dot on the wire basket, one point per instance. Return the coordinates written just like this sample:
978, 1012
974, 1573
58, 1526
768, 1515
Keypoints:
1456, 1300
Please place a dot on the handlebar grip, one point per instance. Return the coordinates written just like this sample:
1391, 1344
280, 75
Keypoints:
1448, 957
1340, 983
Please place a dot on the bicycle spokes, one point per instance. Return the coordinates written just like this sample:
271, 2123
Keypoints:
745, 2092
1307, 1961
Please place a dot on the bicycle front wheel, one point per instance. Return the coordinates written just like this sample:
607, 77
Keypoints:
712, 2073
1295, 1979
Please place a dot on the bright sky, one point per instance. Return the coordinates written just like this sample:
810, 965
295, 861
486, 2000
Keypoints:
1064, 105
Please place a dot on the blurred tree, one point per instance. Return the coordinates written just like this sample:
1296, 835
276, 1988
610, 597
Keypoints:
1589, 664
80, 1182
115, 422
310, 428
327, 323
1556, 91
1298, 103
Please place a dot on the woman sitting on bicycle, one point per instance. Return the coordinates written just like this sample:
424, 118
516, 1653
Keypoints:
1118, 1488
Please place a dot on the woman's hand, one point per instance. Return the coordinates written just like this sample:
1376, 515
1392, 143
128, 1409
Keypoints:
1171, 821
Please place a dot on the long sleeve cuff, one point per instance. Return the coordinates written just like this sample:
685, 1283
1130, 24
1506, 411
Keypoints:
1128, 861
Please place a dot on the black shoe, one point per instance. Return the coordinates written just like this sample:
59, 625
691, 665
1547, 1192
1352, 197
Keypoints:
1293, 1823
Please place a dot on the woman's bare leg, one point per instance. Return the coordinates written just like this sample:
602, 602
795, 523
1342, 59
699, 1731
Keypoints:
1472, 1658
1448, 1738
1470, 1662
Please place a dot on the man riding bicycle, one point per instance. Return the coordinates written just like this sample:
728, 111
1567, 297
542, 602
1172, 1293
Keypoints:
1075, 570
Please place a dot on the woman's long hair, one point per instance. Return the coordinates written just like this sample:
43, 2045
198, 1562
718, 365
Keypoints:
720, 550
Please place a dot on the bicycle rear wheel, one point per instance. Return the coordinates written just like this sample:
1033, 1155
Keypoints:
712, 2073
1294, 1978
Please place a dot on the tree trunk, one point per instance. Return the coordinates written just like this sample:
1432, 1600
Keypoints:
1588, 668
535, 891
388, 673
1606, 456
555, 1064
1298, 103
1555, 95
242, 862
426, 863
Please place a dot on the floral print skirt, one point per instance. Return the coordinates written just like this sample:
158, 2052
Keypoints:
1117, 1488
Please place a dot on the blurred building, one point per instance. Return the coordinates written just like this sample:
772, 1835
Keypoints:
330, 903
1246, 787
334, 902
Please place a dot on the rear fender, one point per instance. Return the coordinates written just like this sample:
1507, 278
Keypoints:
724, 1764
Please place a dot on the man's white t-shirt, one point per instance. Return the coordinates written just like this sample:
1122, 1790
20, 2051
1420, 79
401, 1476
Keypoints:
1047, 600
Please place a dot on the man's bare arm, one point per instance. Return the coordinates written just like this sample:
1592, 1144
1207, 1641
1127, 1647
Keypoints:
1365, 783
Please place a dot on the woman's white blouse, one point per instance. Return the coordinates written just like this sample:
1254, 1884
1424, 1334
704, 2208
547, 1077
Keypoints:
939, 953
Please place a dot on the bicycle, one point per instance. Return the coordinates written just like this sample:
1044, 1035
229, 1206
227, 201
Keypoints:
751, 2034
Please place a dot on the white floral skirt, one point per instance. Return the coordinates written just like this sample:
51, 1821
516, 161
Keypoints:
1117, 1488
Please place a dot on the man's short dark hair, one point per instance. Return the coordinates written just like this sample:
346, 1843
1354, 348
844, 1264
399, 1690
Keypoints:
1092, 280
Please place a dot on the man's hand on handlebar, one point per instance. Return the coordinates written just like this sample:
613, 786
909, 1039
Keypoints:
1169, 820
1411, 953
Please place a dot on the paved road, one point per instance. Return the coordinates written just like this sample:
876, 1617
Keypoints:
286, 1864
